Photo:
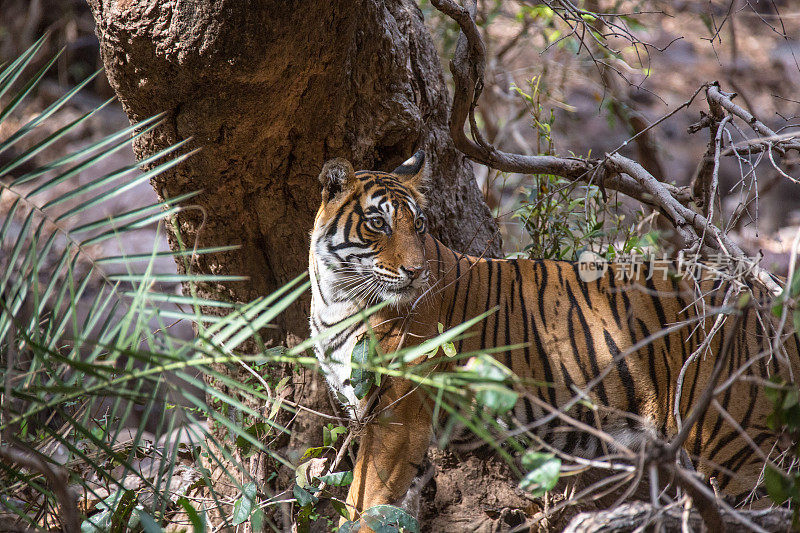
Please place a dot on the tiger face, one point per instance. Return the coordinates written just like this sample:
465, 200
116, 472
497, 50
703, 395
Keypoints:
368, 236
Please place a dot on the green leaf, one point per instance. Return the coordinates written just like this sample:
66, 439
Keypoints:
773, 390
273, 411
198, 521
313, 453
449, 349
341, 508
791, 398
98, 339
490, 389
303, 497
330, 434
116, 513
148, 523
101, 522
257, 520
338, 479
774, 421
301, 473
27, 88
349, 526
792, 417
497, 398
123, 512
244, 505
257, 431
389, 519
414, 352
282, 383
543, 472
361, 379
53, 137
778, 487
11, 72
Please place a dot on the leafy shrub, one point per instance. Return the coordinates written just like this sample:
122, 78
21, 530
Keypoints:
562, 218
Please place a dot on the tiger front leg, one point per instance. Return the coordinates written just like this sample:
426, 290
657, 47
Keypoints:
391, 448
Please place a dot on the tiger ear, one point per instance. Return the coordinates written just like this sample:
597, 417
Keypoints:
336, 176
413, 171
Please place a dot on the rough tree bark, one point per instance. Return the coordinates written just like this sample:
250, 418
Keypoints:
269, 90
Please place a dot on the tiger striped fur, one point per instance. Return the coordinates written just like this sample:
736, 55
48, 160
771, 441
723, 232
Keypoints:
369, 244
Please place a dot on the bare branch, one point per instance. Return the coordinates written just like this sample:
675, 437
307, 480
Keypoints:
467, 67
690, 225
57, 477
725, 100
615, 172
701, 182
629, 516
705, 398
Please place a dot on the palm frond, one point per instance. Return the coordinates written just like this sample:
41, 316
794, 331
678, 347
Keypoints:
86, 339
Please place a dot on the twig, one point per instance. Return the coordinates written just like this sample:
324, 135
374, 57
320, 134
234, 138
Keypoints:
708, 393
700, 489
614, 171
368, 404
631, 515
689, 224
701, 182
725, 100
13, 451
337, 460
759, 144
58, 478
700, 495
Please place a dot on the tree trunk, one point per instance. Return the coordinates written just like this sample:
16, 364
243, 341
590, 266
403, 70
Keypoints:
270, 90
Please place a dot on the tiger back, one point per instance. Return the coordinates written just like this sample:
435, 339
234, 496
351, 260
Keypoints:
635, 339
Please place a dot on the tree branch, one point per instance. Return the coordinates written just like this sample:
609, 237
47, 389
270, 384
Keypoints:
614, 171
630, 516
690, 225
467, 68
701, 182
723, 99
57, 477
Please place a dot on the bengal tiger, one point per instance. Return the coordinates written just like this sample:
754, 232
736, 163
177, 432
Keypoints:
370, 244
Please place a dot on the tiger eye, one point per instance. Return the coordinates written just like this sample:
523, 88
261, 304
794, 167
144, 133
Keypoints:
377, 223
419, 225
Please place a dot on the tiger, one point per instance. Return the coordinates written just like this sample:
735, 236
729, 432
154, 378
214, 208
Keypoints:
370, 244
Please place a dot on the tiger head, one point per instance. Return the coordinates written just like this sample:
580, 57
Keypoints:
367, 244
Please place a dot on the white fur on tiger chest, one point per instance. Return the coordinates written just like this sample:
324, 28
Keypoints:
335, 362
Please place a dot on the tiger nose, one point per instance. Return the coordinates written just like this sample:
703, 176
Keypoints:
412, 272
